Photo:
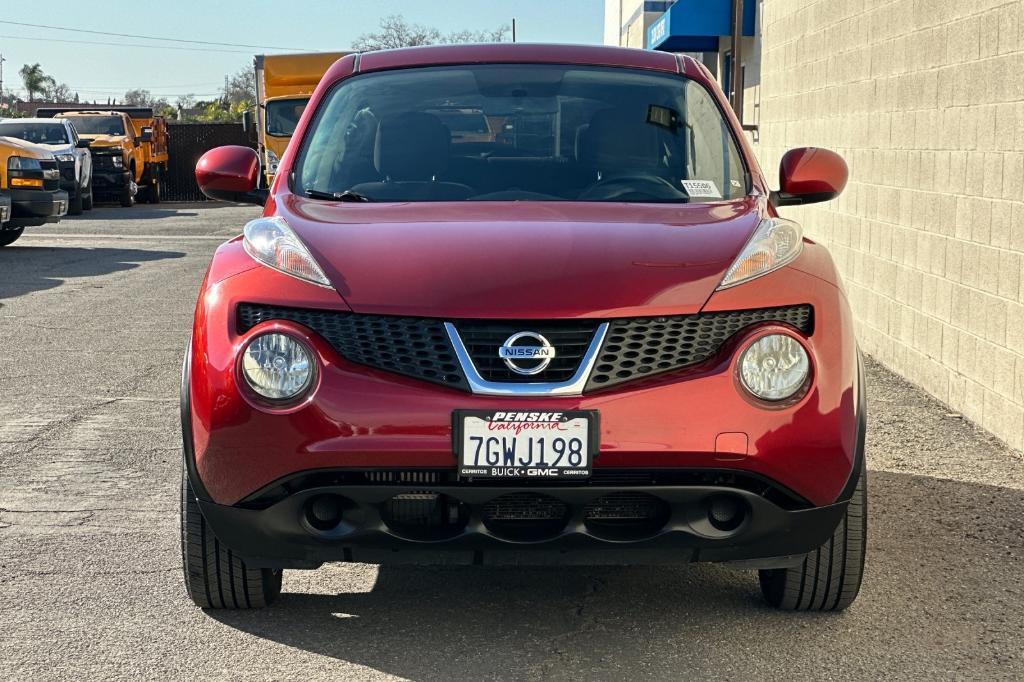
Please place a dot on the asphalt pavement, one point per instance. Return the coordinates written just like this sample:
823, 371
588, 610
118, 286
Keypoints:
94, 316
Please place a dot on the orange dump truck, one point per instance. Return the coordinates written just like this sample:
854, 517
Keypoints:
128, 145
284, 83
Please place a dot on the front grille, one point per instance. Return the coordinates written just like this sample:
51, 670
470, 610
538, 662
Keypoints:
569, 338
104, 162
638, 347
411, 346
633, 348
51, 181
525, 515
67, 170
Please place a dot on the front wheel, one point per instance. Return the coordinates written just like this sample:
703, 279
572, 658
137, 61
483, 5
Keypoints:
128, 195
10, 236
216, 577
87, 200
829, 578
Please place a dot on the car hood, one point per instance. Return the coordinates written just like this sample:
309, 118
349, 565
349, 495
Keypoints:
104, 140
523, 260
29, 149
59, 148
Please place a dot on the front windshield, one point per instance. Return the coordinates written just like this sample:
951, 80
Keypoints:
520, 132
39, 133
283, 115
98, 125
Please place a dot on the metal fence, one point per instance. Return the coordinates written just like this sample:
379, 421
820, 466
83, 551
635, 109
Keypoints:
185, 144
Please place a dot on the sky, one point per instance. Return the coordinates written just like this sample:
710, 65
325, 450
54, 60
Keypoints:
108, 69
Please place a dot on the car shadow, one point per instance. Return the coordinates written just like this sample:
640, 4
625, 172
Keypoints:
944, 557
114, 211
25, 268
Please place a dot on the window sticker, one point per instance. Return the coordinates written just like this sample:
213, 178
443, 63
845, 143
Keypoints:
701, 188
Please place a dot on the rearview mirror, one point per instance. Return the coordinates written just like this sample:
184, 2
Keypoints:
808, 175
231, 173
83, 143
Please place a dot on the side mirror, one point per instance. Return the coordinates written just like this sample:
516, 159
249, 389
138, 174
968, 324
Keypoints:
249, 125
147, 135
231, 173
83, 143
808, 175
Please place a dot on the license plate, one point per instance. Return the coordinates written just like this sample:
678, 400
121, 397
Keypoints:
525, 444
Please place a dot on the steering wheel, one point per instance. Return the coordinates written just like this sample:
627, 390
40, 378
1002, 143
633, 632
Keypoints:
624, 187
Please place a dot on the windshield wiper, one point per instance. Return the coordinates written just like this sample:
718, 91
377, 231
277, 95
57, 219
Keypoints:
347, 195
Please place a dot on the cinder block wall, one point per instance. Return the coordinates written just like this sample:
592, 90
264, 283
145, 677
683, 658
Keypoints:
925, 100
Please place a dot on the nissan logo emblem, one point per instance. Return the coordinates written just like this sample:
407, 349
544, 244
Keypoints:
526, 358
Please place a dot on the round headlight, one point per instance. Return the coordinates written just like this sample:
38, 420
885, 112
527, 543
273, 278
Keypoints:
277, 366
774, 367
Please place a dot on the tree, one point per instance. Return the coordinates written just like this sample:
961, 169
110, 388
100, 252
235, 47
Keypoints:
35, 80
241, 87
61, 93
138, 98
396, 32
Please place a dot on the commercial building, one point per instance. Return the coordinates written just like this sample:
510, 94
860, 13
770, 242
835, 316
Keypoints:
925, 100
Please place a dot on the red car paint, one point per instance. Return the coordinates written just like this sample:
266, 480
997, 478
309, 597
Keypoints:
600, 261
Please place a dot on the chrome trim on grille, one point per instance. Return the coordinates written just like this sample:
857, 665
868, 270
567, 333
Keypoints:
574, 386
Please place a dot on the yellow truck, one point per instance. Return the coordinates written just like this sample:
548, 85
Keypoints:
284, 83
128, 145
30, 191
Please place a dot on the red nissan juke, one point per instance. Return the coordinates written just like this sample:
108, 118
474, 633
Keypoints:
522, 304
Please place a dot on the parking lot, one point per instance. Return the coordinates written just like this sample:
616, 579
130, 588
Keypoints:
94, 316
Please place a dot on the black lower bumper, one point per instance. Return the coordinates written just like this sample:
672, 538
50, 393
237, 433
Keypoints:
110, 182
37, 207
564, 525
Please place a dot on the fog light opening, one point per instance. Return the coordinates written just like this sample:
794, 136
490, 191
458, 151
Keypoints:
324, 512
726, 513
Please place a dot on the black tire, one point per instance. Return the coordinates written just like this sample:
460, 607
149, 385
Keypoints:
87, 200
215, 577
75, 203
10, 236
127, 198
153, 193
829, 578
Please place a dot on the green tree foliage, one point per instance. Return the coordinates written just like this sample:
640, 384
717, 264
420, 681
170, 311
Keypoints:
36, 81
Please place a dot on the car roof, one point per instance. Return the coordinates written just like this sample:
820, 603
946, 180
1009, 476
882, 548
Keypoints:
512, 53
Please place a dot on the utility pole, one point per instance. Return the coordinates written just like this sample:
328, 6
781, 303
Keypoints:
2, 60
737, 59
513, 29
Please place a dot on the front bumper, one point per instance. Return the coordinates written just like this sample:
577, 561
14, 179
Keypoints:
110, 181
31, 207
68, 183
479, 529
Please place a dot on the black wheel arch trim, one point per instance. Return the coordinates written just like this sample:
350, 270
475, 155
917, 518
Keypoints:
862, 426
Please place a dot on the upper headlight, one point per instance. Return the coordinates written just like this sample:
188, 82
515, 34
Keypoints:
277, 366
23, 163
272, 242
774, 367
775, 243
66, 158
